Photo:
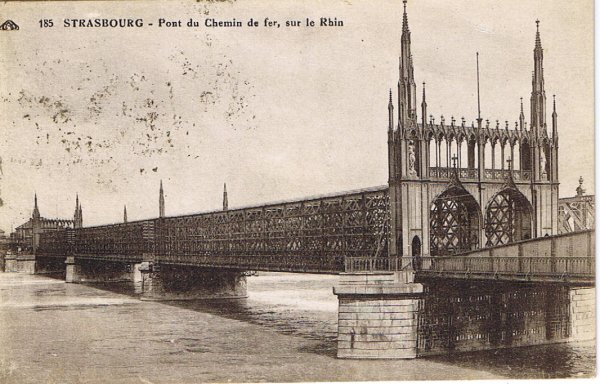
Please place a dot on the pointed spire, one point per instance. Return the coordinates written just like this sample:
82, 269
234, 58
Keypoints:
407, 98
538, 94
36, 211
509, 182
405, 19
424, 108
77, 214
454, 179
521, 116
390, 113
554, 120
538, 40
124, 213
225, 200
161, 202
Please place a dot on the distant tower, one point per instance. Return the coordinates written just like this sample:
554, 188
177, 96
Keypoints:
36, 211
77, 216
161, 201
225, 201
124, 213
36, 225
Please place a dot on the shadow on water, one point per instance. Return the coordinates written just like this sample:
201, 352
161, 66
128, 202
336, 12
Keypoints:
310, 325
565, 360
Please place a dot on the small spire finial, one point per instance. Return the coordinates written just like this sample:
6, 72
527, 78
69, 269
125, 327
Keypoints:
225, 199
404, 19
161, 201
580, 191
537, 24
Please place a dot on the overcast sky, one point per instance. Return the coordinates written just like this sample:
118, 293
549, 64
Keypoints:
276, 113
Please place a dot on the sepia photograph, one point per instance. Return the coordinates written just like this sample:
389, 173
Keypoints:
297, 191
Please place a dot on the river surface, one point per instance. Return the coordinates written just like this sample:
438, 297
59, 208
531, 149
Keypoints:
53, 332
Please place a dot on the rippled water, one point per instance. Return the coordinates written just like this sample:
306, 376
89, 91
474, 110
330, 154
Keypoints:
285, 331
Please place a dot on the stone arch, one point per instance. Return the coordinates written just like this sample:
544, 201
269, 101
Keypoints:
455, 222
508, 218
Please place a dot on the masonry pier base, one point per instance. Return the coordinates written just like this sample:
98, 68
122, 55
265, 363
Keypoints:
377, 316
582, 311
170, 282
22, 263
97, 271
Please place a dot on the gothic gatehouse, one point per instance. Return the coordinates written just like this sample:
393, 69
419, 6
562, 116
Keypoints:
456, 187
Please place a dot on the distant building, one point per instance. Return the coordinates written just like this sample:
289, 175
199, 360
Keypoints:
26, 236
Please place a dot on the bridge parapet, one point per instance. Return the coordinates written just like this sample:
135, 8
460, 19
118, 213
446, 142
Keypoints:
563, 258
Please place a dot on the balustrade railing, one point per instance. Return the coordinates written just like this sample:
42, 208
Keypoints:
472, 174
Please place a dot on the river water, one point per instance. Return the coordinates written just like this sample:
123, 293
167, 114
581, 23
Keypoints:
285, 331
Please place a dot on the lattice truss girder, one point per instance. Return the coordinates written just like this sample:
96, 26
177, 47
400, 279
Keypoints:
576, 215
317, 233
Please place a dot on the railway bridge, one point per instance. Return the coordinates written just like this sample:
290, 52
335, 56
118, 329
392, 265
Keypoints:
467, 246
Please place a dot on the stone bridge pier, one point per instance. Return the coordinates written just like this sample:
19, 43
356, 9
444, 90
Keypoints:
377, 315
97, 271
177, 282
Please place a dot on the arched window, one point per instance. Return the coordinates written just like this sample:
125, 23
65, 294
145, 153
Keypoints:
455, 222
525, 156
507, 218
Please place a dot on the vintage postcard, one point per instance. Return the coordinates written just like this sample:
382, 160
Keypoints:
296, 191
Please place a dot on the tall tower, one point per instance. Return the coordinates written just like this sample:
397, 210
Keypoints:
161, 201
408, 159
543, 157
124, 213
225, 201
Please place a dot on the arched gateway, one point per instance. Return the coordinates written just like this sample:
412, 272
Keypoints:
508, 217
455, 221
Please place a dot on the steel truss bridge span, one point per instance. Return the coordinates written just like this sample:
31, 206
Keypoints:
313, 235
